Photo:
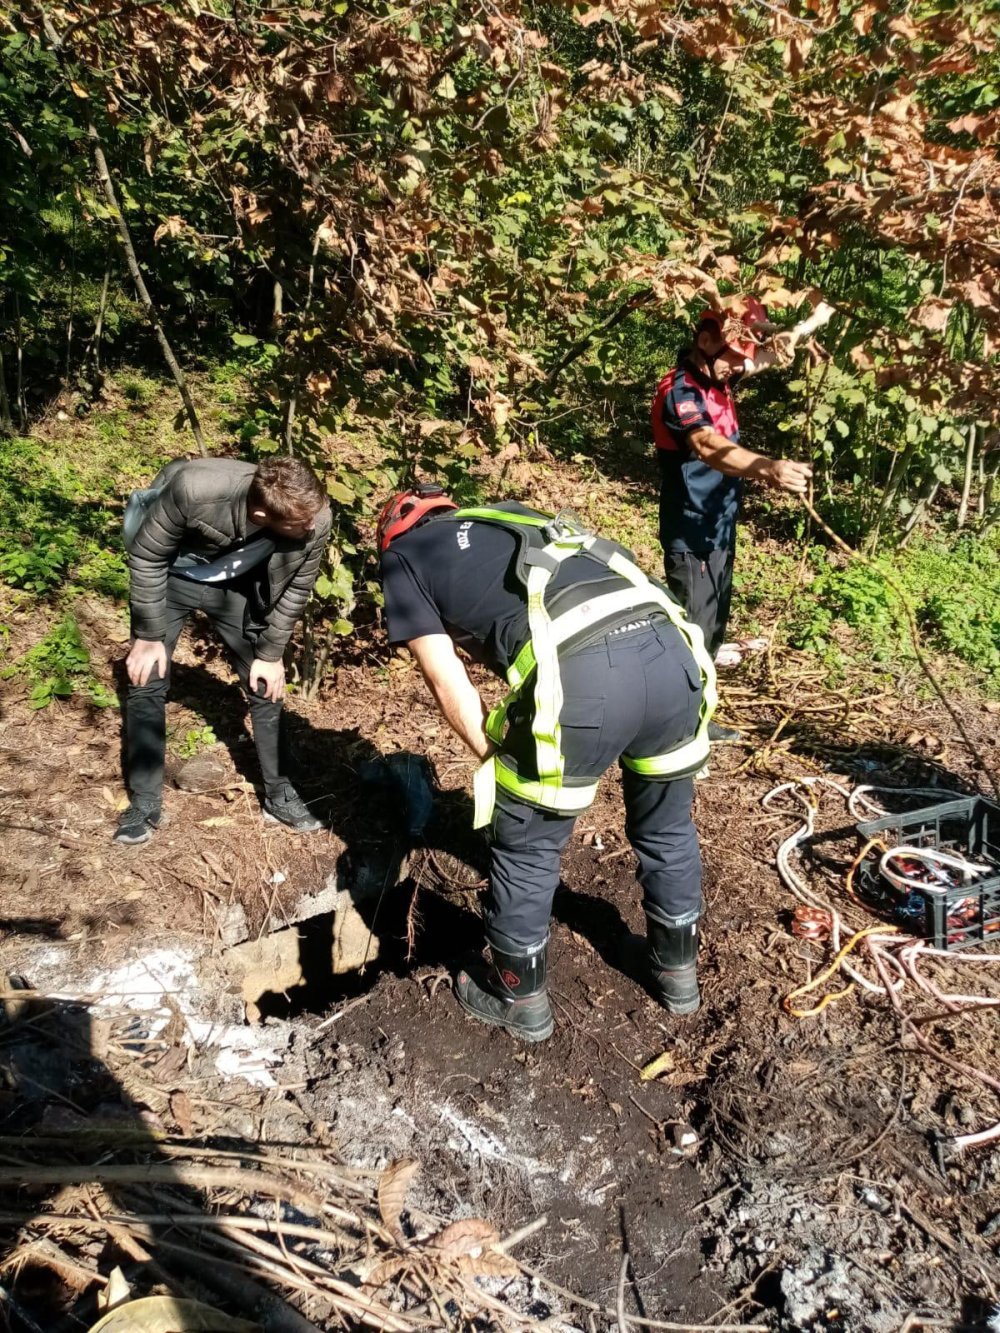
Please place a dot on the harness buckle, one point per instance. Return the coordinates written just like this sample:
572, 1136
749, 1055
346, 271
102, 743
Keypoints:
565, 526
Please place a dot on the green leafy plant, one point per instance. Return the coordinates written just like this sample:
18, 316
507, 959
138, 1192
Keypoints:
195, 740
58, 666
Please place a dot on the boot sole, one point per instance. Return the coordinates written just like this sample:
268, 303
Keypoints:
273, 819
525, 1034
133, 842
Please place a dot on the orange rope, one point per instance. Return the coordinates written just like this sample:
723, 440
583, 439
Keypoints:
828, 971
855, 864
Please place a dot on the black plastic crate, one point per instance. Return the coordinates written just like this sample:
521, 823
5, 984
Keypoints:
957, 917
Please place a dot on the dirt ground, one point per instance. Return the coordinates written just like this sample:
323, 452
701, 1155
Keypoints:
787, 1173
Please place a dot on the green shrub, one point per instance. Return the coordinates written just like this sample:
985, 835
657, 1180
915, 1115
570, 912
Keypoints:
58, 666
954, 592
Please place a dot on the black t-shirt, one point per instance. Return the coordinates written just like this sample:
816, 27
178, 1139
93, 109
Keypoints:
459, 577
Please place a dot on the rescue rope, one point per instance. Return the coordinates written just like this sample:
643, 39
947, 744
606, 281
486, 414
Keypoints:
894, 955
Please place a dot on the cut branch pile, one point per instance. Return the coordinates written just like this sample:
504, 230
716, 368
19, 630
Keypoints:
332, 1240
291, 1236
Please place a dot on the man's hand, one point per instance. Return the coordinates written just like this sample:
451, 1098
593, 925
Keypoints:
789, 476
143, 656
273, 676
783, 345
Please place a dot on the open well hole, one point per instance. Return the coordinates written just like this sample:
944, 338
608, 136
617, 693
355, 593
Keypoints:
320, 987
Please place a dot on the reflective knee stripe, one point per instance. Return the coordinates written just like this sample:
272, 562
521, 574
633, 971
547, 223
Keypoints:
563, 800
682, 760
540, 655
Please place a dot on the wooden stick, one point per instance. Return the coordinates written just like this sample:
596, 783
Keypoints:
620, 1302
250, 1182
522, 1233
318, 1235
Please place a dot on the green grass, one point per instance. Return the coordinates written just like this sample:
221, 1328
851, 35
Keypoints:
953, 588
60, 514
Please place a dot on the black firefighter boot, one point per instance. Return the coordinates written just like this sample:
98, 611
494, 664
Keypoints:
510, 991
673, 953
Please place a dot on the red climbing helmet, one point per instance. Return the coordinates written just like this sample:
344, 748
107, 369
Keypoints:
739, 320
406, 508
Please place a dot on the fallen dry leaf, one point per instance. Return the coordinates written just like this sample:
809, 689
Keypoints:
183, 1112
463, 1237
392, 1189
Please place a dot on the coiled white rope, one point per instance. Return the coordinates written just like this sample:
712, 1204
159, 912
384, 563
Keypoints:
794, 882
935, 861
902, 959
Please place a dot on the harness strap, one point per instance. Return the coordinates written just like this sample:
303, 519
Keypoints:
540, 657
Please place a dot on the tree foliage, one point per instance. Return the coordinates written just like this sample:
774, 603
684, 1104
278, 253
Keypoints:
468, 221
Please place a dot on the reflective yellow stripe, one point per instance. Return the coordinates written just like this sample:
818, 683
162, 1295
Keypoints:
484, 791
501, 516
686, 758
564, 800
548, 693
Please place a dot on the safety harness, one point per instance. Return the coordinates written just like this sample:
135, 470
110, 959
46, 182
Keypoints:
544, 542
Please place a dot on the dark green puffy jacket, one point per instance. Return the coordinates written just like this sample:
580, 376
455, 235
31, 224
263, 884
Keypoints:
201, 506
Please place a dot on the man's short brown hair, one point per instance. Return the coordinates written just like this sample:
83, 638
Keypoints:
287, 490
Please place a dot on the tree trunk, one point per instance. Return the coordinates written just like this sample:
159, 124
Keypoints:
99, 326
22, 408
931, 489
293, 392
107, 185
896, 477
970, 458
6, 423
72, 306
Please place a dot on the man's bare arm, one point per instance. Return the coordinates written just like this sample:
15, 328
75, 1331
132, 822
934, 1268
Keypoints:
453, 691
734, 461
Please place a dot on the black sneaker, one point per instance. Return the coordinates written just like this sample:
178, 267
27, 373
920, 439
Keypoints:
720, 734
285, 806
137, 824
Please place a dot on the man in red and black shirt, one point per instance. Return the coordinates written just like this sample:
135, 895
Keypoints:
703, 466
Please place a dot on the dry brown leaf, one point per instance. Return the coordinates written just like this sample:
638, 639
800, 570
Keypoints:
172, 226
385, 1270
592, 15
432, 427
392, 1189
480, 368
183, 1112
796, 53
898, 110
932, 314
491, 1263
463, 1237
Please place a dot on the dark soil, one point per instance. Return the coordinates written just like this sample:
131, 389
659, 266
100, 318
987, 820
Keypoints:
817, 1194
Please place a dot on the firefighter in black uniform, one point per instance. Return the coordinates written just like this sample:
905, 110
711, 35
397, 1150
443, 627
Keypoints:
602, 667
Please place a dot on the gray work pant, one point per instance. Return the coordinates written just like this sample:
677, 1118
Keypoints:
636, 693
